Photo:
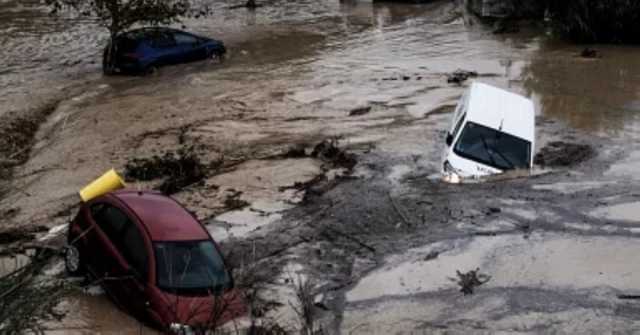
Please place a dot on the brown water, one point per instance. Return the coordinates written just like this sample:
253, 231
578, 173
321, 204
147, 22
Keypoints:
294, 71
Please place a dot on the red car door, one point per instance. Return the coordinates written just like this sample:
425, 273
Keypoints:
135, 257
108, 256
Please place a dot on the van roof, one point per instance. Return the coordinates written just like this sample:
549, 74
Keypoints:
499, 109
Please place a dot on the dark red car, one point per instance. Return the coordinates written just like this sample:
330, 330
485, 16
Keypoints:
154, 259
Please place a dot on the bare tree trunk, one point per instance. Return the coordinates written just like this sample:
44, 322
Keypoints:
251, 4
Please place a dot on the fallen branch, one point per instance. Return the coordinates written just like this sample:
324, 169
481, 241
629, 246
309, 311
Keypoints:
349, 237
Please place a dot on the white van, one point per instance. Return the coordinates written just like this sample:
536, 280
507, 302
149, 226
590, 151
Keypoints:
492, 131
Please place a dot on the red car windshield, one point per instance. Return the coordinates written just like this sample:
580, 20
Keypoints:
190, 267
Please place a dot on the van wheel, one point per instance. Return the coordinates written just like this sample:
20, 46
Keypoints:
73, 261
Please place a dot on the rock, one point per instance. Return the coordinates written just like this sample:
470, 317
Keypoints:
295, 151
493, 210
360, 111
459, 76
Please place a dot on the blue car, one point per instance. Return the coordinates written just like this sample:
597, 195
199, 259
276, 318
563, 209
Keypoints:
144, 50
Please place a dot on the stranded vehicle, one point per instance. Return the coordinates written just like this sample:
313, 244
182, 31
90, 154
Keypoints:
492, 131
154, 259
144, 50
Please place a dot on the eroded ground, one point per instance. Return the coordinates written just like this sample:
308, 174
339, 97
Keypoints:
382, 240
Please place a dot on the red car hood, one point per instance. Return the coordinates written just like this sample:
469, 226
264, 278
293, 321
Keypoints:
204, 311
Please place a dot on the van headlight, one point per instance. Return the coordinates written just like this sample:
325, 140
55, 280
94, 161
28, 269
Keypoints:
180, 329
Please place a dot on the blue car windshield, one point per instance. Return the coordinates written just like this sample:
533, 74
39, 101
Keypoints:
191, 266
493, 148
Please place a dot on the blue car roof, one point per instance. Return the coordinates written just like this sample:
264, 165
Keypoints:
141, 33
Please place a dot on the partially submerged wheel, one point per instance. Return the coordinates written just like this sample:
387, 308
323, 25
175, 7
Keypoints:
73, 261
151, 70
216, 56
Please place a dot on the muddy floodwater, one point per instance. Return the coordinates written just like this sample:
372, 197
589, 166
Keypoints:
383, 240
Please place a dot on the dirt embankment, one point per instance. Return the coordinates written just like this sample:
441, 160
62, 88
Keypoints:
17, 133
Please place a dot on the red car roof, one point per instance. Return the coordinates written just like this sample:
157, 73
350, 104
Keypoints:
164, 218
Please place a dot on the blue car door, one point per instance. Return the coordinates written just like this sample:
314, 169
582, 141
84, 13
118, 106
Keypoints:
165, 49
190, 45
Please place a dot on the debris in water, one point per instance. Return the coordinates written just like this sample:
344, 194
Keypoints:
470, 280
360, 111
233, 201
29, 298
460, 76
179, 169
12, 235
296, 151
563, 154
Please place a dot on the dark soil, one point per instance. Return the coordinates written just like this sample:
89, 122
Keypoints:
296, 151
506, 27
233, 201
328, 151
563, 154
16, 137
177, 169
13, 235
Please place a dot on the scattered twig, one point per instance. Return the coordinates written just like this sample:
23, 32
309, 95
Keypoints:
349, 237
398, 210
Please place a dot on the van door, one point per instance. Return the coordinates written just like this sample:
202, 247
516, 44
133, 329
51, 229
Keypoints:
458, 120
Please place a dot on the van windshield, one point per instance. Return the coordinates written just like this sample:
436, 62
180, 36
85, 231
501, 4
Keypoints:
494, 148
190, 267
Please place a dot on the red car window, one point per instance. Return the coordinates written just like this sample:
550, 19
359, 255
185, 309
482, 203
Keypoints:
134, 250
124, 235
111, 220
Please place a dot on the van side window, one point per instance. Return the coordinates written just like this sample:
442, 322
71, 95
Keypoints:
462, 106
459, 125
111, 221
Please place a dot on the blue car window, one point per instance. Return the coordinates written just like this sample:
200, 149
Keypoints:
182, 39
162, 40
